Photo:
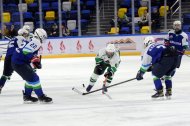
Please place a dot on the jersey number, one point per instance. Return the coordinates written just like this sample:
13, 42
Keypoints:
33, 45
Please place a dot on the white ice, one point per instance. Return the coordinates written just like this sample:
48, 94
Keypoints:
131, 103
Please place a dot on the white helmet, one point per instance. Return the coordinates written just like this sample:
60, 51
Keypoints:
26, 27
110, 49
177, 25
148, 40
41, 34
22, 31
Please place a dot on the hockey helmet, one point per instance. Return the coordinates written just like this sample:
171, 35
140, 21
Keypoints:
23, 32
148, 40
26, 27
41, 34
110, 49
177, 25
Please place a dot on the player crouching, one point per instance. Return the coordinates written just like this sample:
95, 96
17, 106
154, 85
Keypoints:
107, 58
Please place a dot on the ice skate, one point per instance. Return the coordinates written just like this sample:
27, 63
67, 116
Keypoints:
104, 89
158, 95
89, 88
45, 99
0, 89
168, 93
29, 99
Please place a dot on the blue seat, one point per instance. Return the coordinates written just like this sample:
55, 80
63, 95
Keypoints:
81, 5
33, 7
85, 14
74, 32
84, 24
38, 24
17, 25
186, 19
27, 16
126, 4
12, 8
8, 25
54, 6
137, 29
46, 6
186, 28
129, 12
37, 14
90, 5
125, 30
48, 25
64, 15
73, 15
15, 17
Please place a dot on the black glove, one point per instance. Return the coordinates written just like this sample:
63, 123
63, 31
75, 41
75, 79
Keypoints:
108, 74
139, 75
36, 62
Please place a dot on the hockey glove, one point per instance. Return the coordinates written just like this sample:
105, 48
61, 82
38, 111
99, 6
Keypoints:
36, 62
108, 74
139, 75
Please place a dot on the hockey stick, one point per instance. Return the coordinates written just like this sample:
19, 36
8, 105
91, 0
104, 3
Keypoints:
86, 93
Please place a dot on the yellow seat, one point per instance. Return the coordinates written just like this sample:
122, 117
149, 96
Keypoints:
29, 1
50, 15
141, 11
145, 30
121, 12
114, 30
162, 10
72, 1
6, 17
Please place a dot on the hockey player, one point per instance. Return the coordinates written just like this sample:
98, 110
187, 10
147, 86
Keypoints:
13, 44
107, 58
22, 60
30, 35
178, 39
162, 59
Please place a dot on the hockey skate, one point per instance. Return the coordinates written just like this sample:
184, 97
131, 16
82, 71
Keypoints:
29, 99
158, 95
45, 99
0, 89
104, 89
89, 88
168, 93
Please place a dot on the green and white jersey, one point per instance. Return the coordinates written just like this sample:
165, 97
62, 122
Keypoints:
113, 62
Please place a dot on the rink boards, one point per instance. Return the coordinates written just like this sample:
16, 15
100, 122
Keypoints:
88, 46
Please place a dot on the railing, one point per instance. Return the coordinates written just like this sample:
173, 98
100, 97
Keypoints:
174, 10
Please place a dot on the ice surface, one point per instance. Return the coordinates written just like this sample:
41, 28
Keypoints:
131, 104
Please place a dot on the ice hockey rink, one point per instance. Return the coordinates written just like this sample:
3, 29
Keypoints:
131, 103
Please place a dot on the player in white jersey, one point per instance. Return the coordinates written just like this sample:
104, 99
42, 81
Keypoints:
107, 58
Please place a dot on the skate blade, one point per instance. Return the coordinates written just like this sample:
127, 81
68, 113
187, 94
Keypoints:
30, 102
41, 102
158, 99
168, 97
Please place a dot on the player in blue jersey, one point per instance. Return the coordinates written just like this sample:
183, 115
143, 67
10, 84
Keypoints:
162, 59
178, 39
14, 43
24, 60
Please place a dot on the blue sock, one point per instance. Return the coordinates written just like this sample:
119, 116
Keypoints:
168, 84
158, 83
39, 92
28, 91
